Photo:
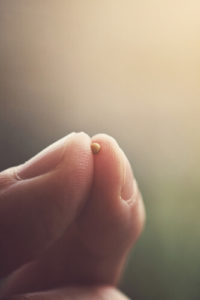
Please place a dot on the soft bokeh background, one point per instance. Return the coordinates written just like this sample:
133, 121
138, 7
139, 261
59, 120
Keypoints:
130, 69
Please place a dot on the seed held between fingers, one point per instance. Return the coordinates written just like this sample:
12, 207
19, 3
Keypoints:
95, 148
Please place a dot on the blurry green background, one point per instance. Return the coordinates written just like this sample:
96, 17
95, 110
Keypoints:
130, 69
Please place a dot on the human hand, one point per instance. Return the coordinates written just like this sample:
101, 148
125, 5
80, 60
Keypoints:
68, 219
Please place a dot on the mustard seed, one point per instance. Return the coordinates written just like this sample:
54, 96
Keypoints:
95, 148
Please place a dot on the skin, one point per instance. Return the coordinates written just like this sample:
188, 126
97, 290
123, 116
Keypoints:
68, 219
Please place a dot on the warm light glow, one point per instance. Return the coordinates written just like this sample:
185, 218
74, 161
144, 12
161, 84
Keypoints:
130, 69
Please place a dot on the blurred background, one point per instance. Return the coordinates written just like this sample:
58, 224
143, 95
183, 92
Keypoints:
130, 69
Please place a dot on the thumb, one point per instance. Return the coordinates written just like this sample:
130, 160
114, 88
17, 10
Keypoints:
40, 199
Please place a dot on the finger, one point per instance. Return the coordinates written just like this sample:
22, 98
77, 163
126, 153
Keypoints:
115, 212
83, 293
39, 199
114, 216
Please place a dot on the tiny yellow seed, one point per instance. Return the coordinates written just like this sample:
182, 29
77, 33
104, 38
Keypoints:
95, 148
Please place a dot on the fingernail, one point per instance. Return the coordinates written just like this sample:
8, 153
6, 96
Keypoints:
46, 160
128, 184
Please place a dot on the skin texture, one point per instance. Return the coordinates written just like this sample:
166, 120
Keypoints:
71, 218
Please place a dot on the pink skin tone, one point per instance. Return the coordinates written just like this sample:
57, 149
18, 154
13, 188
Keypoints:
68, 219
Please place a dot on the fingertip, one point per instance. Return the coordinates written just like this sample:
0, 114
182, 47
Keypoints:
114, 209
108, 165
56, 154
112, 168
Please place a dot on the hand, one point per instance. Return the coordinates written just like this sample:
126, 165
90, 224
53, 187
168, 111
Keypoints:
68, 219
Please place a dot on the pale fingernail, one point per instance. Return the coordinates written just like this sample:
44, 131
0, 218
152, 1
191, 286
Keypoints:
129, 185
